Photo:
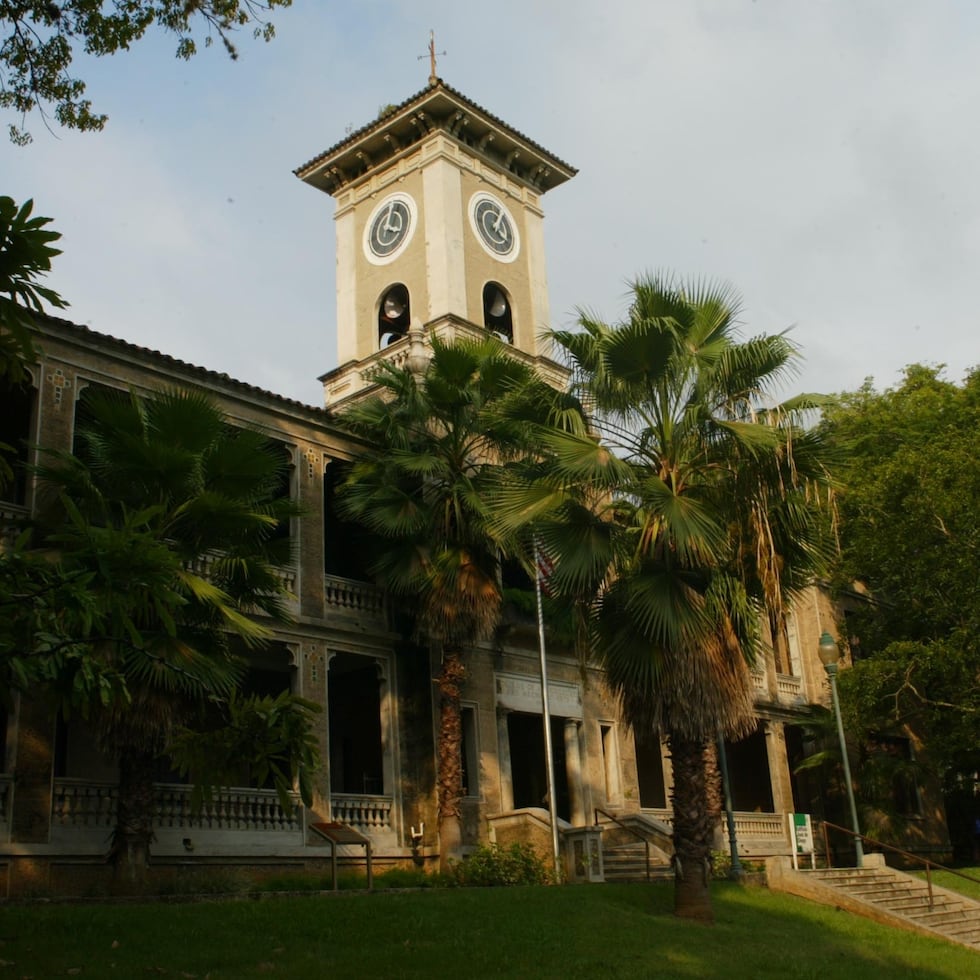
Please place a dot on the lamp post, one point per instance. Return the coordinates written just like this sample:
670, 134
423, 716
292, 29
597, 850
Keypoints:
829, 655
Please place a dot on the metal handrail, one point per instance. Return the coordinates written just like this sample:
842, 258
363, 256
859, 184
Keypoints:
891, 847
629, 830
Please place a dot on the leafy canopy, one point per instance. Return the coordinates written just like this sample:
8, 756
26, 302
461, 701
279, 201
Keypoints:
26, 251
42, 38
688, 508
910, 537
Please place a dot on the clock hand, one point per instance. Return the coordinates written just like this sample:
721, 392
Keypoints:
388, 224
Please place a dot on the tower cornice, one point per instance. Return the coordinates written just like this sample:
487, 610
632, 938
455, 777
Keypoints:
437, 108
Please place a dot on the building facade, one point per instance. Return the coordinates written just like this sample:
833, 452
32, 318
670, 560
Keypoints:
439, 231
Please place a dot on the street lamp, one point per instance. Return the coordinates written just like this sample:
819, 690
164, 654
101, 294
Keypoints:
829, 655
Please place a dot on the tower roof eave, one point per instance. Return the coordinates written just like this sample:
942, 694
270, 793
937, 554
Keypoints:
437, 108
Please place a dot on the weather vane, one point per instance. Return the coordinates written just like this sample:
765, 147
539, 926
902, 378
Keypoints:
433, 77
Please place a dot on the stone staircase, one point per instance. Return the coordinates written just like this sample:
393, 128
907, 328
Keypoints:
886, 895
627, 862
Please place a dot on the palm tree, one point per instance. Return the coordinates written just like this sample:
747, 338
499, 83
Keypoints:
684, 516
437, 441
169, 516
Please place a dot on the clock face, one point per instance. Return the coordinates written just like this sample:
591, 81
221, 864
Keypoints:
390, 228
494, 227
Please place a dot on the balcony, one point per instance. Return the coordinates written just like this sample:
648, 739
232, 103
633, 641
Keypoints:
83, 814
357, 600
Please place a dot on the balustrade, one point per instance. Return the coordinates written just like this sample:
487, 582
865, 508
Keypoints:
365, 813
83, 803
355, 597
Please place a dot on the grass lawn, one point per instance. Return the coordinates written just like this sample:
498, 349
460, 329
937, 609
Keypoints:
588, 931
971, 889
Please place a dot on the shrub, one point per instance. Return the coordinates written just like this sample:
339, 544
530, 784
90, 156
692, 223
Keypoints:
517, 864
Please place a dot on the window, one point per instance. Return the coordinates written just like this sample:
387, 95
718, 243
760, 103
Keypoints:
394, 315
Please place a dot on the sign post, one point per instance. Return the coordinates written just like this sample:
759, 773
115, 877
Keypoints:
801, 837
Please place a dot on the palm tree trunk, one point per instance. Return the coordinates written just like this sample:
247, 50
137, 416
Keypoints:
133, 833
694, 823
450, 776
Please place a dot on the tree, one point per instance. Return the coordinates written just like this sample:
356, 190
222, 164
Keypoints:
436, 444
168, 516
910, 539
41, 40
26, 252
696, 519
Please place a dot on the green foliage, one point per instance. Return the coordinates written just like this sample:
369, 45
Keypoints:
436, 449
25, 257
910, 536
721, 865
516, 864
263, 739
42, 39
153, 547
685, 512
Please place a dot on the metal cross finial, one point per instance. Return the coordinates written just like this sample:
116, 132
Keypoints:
433, 77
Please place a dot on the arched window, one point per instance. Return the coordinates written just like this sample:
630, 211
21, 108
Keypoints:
497, 316
394, 315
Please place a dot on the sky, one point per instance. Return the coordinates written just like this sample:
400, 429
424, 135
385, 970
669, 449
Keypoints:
821, 157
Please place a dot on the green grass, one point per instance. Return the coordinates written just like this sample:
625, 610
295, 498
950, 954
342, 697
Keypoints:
971, 889
587, 931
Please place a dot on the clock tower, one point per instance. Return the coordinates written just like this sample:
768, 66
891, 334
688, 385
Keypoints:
439, 229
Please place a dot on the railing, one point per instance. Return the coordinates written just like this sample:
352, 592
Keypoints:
908, 855
619, 823
203, 564
789, 686
357, 597
759, 683
366, 813
83, 803
749, 826
760, 826
347, 380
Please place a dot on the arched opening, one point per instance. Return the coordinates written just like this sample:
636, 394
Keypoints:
394, 315
497, 315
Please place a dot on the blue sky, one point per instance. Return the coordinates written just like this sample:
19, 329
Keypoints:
822, 157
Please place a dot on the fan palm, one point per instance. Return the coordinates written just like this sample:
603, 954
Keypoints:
683, 516
170, 515
436, 444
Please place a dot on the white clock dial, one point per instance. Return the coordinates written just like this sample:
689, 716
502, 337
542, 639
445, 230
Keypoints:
494, 226
390, 228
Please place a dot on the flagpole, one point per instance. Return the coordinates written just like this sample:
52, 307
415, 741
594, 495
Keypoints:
546, 720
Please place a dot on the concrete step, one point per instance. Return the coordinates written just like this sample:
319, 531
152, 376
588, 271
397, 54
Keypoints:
628, 862
950, 916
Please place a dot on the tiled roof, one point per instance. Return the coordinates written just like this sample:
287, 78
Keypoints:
435, 87
167, 362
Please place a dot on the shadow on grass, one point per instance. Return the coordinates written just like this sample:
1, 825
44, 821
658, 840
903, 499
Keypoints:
588, 931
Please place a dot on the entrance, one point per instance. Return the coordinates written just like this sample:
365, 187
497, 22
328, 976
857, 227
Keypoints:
526, 735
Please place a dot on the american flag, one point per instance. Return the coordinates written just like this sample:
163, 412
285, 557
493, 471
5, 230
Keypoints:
545, 569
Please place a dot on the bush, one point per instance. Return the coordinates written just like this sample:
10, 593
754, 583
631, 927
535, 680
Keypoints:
517, 864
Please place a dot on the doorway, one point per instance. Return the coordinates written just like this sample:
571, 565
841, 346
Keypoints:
526, 735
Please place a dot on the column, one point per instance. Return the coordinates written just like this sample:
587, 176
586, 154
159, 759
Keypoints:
779, 775
573, 769
503, 762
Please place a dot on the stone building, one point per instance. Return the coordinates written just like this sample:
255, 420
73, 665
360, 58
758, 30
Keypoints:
439, 230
